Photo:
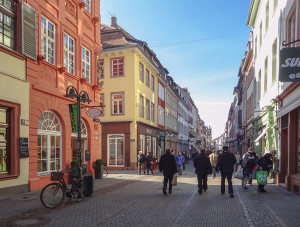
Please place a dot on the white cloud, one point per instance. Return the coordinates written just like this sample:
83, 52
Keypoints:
214, 114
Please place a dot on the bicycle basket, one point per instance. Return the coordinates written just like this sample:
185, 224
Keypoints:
56, 176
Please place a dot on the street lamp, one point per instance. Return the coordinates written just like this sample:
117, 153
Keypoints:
71, 92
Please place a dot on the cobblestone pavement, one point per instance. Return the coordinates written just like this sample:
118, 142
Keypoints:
127, 199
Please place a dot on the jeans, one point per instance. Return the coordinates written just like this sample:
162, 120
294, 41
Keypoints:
202, 182
179, 169
168, 178
213, 170
149, 167
229, 179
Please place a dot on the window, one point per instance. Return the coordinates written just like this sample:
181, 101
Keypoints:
102, 103
275, 5
260, 34
152, 112
88, 5
141, 72
48, 40
116, 148
7, 23
84, 143
292, 29
274, 60
117, 103
69, 54
100, 69
4, 140
141, 106
255, 46
86, 64
147, 78
142, 143
161, 115
154, 154
152, 82
259, 85
117, 67
148, 144
266, 75
161, 92
267, 16
49, 143
147, 109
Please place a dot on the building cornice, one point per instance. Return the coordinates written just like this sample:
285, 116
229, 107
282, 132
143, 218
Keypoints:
254, 5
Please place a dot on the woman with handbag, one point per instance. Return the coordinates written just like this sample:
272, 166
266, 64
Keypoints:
247, 169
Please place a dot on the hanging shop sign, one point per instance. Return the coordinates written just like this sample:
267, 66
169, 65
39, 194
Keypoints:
93, 112
289, 67
73, 109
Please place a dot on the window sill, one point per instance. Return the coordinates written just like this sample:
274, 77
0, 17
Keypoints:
8, 177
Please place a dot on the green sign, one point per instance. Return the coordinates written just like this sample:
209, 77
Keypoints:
74, 117
289, 67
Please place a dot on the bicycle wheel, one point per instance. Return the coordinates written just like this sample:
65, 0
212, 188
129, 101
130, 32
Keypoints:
52, 195
79, 190
105, 172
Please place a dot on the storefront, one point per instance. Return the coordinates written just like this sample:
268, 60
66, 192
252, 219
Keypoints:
147, 139
171, 141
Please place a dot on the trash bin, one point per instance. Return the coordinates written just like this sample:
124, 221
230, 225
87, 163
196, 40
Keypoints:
89, 178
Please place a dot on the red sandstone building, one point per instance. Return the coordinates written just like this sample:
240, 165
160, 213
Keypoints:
68, 41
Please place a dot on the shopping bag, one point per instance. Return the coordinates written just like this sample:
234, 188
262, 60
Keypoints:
254, 173
262, 177
174, 180
239, 173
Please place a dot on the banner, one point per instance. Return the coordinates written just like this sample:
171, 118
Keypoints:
289, 66
74, 117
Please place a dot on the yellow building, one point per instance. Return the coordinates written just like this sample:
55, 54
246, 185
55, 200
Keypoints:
129, 71
14, 121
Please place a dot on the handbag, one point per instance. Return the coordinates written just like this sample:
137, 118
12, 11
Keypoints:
262, 177
174, 180
239, 173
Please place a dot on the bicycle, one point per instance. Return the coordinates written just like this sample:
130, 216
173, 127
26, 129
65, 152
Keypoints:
53, 194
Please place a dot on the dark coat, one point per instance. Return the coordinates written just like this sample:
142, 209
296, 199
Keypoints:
141, 158
253, 159
264, 163
202, 164
149, 158
226, 162
167, 164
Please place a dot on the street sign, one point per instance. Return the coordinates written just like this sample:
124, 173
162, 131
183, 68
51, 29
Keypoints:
289, 67
96, 120
93, 112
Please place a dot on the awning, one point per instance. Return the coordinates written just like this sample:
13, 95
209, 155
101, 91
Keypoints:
293, 104
261, 135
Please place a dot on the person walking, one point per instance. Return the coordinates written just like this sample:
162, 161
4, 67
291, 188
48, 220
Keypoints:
141, 158
252, 159
238, 159
225, 164
213, 158
185, 160
179, 161
247, 169
167, 166
149, 162
203, 167
265, 164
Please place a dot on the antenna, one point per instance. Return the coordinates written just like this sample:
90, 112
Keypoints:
111, 14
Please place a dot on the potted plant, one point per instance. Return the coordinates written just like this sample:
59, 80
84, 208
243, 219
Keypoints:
99, 169
74, 170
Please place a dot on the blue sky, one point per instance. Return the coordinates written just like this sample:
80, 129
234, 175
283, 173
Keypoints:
209, 67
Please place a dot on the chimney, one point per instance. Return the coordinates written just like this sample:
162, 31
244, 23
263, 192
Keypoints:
114, 21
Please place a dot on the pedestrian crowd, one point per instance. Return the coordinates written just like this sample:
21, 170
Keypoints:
246, 167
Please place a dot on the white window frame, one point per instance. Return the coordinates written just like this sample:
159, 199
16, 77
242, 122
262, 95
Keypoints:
118, 103
86, 73
88, 5
142, 143
69, 53
161, 115
48, 39
161, 92
48, 133
154, 154
148, 144
115, 137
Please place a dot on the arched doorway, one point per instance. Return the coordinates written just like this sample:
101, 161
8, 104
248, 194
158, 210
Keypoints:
49, 143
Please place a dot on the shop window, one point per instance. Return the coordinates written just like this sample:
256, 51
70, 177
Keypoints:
4, 140
154, 152
142, 143
148, 144
116, 145
49, 143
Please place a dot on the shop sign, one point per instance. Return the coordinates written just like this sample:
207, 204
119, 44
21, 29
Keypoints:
93, 112
289, 67
23, 145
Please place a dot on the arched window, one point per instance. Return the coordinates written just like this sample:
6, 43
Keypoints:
84, 143
49, 143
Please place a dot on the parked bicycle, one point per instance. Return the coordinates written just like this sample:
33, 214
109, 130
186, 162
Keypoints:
55, 193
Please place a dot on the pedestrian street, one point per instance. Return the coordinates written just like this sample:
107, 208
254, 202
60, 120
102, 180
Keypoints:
125, 198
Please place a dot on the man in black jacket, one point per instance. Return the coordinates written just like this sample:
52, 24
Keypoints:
203, 167
225, 164
167, 165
